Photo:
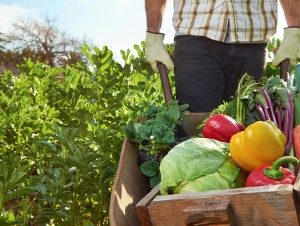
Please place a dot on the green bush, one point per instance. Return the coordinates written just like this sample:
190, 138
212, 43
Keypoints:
61, 135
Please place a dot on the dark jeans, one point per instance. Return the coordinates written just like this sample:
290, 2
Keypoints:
207, 71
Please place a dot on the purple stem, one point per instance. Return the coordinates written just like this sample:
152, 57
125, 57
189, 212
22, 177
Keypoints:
268, 100
283, 116
278, 117
291, 123
266, 113
261, 112
285, 125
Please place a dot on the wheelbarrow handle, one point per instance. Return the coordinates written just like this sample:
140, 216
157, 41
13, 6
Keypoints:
165, 82
284, 69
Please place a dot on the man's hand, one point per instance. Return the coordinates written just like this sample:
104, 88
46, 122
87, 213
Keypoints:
156, 52
290, 46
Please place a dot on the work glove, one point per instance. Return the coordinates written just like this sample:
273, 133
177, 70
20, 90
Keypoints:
290, 46
156, 52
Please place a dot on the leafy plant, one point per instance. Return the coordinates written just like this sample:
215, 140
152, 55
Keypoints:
155, 128
61, 135
155, 133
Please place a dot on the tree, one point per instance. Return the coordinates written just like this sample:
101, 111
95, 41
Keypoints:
44, 42
2, 42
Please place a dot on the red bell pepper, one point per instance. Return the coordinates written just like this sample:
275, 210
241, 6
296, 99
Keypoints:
221, 127
272, 174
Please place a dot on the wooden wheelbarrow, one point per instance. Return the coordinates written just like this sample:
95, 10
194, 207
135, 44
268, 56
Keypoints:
133, 203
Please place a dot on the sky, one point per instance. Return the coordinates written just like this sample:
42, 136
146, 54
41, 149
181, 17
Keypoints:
118, 24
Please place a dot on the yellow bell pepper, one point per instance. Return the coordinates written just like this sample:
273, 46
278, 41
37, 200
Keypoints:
260, 143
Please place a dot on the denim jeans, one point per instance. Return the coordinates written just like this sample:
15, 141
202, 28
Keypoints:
207, 71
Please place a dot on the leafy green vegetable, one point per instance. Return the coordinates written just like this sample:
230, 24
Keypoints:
154, 130
151, 169
199, 164
245, 97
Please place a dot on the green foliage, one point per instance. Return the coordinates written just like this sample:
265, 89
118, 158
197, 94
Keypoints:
155, 132
61, 135
154, 129
151, 170
272, 47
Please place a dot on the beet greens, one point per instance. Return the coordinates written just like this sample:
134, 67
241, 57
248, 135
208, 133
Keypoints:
270, 99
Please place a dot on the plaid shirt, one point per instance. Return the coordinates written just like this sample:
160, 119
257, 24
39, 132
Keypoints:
226, 20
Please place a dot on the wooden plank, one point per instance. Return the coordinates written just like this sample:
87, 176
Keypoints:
142, 206
266, 205
208, 213
265, 208
163, 208
297, 194
130, 186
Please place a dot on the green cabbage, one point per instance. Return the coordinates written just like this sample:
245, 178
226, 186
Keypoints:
199, 164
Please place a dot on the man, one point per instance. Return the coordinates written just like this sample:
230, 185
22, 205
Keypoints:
216, 42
